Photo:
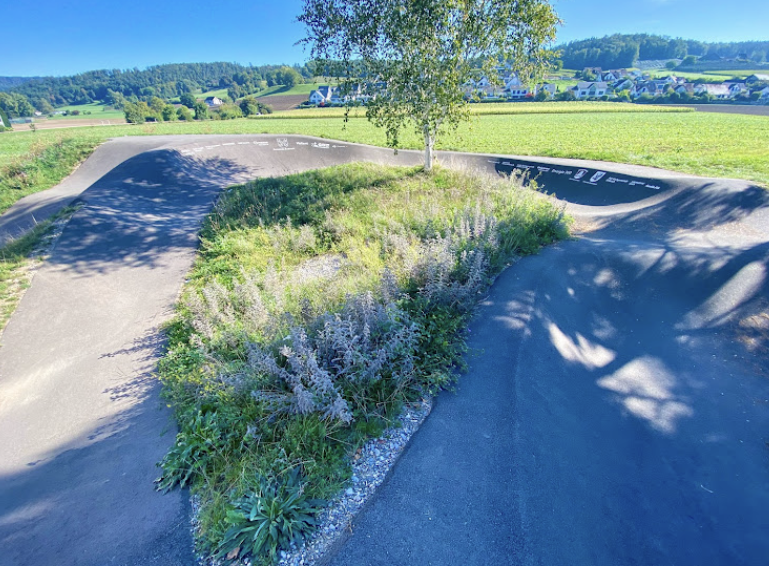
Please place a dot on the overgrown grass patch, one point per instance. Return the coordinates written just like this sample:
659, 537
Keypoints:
320, 304
44, 164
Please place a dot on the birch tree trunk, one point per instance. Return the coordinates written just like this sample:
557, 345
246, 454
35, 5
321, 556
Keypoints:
429, 148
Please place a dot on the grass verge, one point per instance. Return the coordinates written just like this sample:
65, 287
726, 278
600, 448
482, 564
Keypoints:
44, 164
319, 305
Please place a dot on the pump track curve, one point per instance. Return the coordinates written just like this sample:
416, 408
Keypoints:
615, 410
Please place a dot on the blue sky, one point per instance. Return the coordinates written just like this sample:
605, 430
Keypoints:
61, 37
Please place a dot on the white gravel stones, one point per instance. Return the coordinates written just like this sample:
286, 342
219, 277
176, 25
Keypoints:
369, 469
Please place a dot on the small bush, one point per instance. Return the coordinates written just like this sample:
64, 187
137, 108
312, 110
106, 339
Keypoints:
270, 518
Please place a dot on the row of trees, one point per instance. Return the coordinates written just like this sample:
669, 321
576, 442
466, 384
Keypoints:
156, 110
622, 50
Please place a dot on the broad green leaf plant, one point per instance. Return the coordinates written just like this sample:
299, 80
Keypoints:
415, 56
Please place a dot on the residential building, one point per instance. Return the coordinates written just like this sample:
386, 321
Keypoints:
718, 91
585, 89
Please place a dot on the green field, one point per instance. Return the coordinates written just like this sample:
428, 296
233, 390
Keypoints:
741, 73
710, 76
501, 108
280, 90
711, 144
219, 93
688, 76
97, 111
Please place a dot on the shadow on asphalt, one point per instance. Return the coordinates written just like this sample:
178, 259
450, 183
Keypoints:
148, 206
39, 505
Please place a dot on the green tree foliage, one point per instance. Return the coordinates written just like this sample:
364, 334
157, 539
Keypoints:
183, 113
622, 50
230, 111
187, 99
43, 106
201, 111
16, 105
169, 113
423, 51
163, 81
157, 105
689, 60
288, 77
5, 121
134, 113
252, 107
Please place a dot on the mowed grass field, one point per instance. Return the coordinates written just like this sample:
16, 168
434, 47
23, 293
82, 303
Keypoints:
97, 111
710, 144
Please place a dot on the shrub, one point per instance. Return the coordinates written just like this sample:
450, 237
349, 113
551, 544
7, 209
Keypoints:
183, 113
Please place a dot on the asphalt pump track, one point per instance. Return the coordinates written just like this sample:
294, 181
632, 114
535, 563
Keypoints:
615, 409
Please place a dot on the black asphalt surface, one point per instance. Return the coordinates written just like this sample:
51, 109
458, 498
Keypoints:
615, 409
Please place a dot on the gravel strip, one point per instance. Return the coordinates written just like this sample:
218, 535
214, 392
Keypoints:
370, 467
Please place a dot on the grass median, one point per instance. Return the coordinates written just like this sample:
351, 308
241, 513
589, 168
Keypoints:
320, 304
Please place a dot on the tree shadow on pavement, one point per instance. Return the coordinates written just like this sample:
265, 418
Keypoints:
146, 208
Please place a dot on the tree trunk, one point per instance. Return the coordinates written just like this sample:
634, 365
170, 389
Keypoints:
429, 149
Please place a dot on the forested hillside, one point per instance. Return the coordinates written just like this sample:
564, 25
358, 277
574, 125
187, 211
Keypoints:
621, 51
10, 82
117, 86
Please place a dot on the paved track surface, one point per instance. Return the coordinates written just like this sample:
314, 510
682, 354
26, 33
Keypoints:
614, 412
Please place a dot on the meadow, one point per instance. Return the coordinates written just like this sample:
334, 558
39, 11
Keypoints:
97, 111
709, 144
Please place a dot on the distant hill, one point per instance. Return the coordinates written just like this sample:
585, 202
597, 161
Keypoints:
7, 83
114, 86
623, 50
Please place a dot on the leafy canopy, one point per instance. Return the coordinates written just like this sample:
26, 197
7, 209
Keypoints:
415, 55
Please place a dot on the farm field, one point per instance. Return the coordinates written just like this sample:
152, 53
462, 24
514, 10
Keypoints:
742, 73
280, 90
691, 142
501, 108
97, 112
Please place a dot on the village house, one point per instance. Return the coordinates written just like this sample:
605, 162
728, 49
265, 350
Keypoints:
623, 84
323, 95
686, 88
549, 88
717, 91
757, 78
213, 101
612, 75
650, 88
585, 89
736, 88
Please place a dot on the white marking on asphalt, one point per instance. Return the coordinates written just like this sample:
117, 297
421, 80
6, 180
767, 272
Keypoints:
231, 143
